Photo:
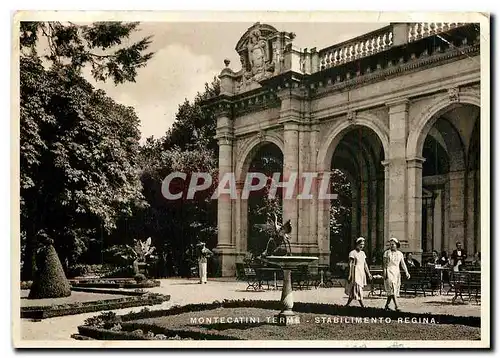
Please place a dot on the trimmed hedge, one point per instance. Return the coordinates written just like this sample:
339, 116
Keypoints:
130, 333
109, 291
118, 284
40, 312
99, 327
49, 280
316, 308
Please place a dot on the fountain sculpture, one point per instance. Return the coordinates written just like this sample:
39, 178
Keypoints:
278, 252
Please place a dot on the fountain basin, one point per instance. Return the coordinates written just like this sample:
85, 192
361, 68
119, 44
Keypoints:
287, 264
290, 262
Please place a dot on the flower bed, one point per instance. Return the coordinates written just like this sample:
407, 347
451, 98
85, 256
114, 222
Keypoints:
122, 283
40, 312
175, 321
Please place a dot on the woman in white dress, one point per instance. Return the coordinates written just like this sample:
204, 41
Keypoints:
393, 259
358, 270
203, 255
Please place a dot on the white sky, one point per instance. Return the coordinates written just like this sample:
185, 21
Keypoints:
188, 54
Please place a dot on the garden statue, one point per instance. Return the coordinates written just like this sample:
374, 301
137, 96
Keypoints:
279, 243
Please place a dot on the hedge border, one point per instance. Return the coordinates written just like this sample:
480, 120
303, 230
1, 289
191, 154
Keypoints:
299, 307
108, 291
146, 284
107, 334
41, 312
305, 307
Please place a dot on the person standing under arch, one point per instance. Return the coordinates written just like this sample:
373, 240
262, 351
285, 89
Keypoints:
393, 259
358, 270
203, 255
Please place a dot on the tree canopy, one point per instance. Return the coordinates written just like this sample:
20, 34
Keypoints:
78, 147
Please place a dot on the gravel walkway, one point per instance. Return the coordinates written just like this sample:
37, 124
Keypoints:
185, 291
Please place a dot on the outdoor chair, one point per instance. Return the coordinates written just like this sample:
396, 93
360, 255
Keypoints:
432, 279
252, 278
474, 286
418, 281
300, 278
240, 271
459, 281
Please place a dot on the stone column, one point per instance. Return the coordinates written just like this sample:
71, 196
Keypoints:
469, 244
225, 249
290, 169
386, 236
438, 218
415, 205
457, 195
365, 215
397, 183
290, 115
241, 219
323, 223
313, 207
304, 205
430, 224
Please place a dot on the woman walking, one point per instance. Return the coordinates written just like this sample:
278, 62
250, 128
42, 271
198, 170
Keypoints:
393, 259
358, 270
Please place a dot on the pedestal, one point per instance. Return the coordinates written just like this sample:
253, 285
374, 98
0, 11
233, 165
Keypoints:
287, 317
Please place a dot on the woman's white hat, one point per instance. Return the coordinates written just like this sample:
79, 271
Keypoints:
394, 239
360, 239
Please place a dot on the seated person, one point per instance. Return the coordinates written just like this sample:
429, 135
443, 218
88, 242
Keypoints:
476, 262
434, 260
410, 262
443, 260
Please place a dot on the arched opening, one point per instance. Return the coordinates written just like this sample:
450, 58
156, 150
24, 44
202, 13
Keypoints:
449, 212
266, 159
357, 176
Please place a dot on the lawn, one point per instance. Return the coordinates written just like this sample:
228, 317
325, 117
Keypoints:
256, 324
74, 298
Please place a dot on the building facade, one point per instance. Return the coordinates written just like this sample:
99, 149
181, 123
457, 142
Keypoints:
397, 110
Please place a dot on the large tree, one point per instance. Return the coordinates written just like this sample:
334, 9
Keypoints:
78, 148
189, 146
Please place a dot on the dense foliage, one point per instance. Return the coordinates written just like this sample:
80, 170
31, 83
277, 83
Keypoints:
175, 226
78, 148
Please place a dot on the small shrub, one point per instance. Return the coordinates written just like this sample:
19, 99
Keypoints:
139, 278
50, 280
102, 320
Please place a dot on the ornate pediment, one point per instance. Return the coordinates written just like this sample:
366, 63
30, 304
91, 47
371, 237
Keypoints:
261, 53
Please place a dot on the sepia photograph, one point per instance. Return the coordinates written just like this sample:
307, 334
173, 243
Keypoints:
250, 179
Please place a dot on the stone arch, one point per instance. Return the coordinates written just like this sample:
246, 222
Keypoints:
334, 136
244, 159
429, 115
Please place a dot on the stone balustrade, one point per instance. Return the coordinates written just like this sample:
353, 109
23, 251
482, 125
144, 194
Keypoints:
420, 30
363, 46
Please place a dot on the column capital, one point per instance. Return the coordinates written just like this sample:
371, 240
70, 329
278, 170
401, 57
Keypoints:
291, 125
415, 162
398, 105
225, 138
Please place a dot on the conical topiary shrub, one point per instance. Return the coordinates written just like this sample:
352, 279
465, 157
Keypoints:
49, 280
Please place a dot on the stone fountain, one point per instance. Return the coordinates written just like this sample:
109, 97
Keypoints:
278, 253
